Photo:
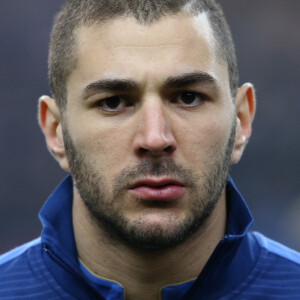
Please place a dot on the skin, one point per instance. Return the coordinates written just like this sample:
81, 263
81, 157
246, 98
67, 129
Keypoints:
153, 127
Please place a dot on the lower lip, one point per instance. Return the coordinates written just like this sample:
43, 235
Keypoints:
164, 193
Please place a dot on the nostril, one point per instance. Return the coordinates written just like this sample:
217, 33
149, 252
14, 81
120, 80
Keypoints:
169, 149
143, 151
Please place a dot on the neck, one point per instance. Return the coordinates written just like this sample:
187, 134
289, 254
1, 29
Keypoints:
138, 272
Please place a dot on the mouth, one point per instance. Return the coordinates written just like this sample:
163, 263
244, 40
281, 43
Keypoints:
157, 189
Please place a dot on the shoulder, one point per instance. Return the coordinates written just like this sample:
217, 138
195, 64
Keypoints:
276, 274
22, 273
278, 252
18, 264
17, 255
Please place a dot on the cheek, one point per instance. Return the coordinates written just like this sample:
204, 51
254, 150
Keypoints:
105, 147
205, 141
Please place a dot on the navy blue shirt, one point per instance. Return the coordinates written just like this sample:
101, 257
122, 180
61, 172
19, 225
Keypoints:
244, 265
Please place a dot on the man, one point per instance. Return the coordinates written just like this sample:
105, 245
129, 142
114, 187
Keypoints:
147, 117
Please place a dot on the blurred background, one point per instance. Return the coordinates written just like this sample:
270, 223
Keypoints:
266, 34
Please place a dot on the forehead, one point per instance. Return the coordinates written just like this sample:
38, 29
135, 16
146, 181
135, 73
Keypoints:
125, 48
173, 27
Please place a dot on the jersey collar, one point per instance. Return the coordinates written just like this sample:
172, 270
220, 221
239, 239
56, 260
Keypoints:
227, 258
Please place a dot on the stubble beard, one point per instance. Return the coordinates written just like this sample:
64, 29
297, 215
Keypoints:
106, 210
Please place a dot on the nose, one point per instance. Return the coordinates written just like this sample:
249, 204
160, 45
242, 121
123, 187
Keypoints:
154, 135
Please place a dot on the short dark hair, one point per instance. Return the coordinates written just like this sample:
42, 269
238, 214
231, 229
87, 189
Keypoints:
75, 13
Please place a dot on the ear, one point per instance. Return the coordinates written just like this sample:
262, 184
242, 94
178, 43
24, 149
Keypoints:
245, 110
50, 123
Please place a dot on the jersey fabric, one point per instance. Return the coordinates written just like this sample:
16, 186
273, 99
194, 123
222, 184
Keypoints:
244, 265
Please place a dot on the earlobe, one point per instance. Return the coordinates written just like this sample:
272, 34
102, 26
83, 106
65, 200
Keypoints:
245, 111
50, 123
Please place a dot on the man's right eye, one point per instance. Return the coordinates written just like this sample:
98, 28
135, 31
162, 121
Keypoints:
112, 104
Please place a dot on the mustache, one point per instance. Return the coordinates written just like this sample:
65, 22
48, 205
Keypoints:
159, 168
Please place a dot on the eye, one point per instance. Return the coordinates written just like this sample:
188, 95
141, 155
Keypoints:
189, 99
112, 104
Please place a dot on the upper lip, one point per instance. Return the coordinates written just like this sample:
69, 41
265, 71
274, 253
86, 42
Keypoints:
156, 182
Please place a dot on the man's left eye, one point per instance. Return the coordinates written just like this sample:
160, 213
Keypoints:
189, 99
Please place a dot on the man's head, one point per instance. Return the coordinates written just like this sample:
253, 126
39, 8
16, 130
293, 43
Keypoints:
75, 13
149, 126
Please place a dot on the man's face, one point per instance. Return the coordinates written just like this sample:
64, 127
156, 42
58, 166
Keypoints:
149, 127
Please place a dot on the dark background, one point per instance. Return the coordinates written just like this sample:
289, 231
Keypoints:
266, 34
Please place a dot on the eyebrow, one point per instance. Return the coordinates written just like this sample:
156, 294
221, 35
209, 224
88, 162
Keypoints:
109, 85
190, 79
128, 85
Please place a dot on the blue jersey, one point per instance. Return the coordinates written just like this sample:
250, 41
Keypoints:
244, 265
